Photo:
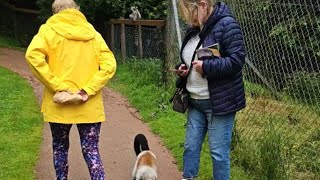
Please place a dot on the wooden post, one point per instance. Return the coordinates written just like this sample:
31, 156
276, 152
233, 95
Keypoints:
137, 24
140, 41
172, 49
123, 42
112, 37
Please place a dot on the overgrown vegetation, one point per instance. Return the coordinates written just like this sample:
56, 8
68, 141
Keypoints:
305, 87
273, 139
140, 81
21, 127
282, 42
101, 10
8, 42
276, 138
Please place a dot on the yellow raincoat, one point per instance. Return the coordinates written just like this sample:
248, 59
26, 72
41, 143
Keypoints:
69, 54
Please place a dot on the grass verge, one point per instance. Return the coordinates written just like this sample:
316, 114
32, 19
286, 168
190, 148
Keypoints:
21, 127
139, 81
273, 138
8, 42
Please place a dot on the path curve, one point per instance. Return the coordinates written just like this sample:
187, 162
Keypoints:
116, 141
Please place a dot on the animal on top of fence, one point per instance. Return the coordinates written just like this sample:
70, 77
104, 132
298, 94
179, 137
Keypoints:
135, 15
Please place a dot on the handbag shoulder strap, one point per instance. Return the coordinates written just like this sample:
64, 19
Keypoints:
198, 46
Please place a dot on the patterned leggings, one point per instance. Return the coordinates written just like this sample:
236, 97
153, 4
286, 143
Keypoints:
89, 137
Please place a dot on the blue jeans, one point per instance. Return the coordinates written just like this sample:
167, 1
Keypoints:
219, 128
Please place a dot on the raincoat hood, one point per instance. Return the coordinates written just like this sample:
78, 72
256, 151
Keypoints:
71, 24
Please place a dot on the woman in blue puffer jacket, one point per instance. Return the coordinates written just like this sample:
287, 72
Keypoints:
215, 83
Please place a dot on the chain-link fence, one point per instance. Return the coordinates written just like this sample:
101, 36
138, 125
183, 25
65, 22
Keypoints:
152, 41
277, 136
279, 131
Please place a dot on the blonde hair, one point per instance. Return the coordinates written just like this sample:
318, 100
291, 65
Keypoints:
59, 5
187, 6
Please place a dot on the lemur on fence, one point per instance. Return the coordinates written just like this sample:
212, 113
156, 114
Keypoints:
135, 15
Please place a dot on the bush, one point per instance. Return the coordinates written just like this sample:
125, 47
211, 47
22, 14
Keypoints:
264, 159
106, 9
273, 165
25, 39
281, 36
141, 81
305, 87
307, 157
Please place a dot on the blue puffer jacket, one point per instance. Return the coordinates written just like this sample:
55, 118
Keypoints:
224, 73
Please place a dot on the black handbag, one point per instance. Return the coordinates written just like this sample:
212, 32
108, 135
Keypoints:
180, 100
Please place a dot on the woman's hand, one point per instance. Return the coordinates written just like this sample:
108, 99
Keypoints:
198, 66
182, 70
84, 95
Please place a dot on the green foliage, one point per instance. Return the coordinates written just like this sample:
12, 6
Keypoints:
142, 78
45, 9
8, 42
256, 90
281, 36
149, 9
271, 140
305, 87
25, 39
292, 33
264, 158
274, 139
21, 127
245, 155
272, 158
141, 82
86, 6
105, 9
308, 157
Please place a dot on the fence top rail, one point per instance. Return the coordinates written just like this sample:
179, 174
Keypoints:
12, 7
160, 23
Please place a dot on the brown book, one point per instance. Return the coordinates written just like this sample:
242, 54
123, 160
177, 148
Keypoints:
208, 51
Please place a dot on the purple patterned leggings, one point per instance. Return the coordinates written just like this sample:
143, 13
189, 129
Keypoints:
89, 137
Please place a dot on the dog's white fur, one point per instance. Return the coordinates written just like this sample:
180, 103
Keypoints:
143, 171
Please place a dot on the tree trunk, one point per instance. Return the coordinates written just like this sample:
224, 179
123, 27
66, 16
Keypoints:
172, 49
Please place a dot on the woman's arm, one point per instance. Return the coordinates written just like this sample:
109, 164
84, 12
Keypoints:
107, 69
234, 53
36, 55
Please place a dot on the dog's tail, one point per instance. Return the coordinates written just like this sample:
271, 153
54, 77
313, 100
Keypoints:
140, 144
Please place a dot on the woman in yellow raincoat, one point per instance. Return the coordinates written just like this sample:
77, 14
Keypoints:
69, 55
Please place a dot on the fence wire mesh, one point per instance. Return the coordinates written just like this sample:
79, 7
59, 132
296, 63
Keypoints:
152, 41
277, 136
280, 126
